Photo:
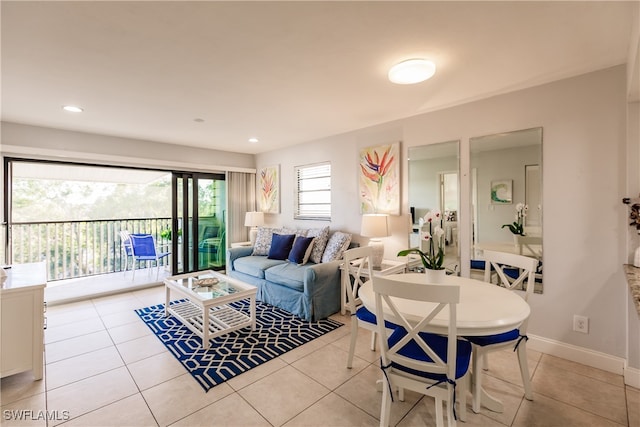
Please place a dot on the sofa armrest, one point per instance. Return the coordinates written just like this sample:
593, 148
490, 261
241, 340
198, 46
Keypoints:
322, 276
235, 253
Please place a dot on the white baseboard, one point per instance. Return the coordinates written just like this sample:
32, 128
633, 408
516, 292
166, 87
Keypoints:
582, 355
632, 377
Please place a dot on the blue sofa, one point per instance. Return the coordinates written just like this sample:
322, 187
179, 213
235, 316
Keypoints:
310, 291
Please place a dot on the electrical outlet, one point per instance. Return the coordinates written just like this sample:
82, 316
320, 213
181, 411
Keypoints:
581, 324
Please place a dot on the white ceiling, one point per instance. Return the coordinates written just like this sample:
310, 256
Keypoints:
284, 72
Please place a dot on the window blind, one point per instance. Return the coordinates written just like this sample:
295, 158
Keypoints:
313, 191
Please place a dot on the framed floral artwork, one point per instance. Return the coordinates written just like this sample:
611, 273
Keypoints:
379, 179
269, 189
502, 192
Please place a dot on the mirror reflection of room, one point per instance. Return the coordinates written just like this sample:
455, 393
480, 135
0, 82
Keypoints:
506, 196
434, 186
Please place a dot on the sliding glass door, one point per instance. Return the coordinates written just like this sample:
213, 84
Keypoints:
198, 221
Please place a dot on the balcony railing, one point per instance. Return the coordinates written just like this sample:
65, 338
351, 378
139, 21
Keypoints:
79, 248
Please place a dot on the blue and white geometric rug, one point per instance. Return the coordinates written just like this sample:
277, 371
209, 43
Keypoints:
277, 332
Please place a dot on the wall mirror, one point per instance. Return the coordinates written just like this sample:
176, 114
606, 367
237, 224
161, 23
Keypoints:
506, 174
434, 185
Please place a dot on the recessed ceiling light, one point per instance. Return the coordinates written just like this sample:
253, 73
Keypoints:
412, 71
72, 108
253, 140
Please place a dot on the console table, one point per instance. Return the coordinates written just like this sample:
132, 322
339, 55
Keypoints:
22, 319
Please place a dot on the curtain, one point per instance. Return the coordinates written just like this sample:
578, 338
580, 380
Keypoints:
241, 197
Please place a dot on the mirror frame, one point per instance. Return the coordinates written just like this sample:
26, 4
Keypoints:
493, 142
445, 150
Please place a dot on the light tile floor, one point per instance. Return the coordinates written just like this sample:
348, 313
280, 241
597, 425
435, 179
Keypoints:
105, 368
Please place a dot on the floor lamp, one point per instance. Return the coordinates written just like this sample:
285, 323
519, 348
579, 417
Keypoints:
253, 220
375, 226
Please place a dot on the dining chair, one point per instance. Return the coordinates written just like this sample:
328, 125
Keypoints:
513, 272
428, 363
143, 247
357, 269
125, 242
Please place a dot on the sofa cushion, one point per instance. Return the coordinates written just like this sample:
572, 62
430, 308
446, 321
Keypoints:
254, 265
281, 246
296, 231
338, 243
288, 274
322, 237
301, 250
263, 241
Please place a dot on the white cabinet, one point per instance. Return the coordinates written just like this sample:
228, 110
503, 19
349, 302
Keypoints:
22, 319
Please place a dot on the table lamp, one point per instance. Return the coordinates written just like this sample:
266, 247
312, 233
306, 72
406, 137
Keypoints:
253, 220
375, 226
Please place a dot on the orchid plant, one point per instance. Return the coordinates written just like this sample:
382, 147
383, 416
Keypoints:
517, 227
433, 258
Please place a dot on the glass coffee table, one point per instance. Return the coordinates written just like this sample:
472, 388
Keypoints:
203, 307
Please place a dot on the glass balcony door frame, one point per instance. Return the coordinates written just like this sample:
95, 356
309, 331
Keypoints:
187, 244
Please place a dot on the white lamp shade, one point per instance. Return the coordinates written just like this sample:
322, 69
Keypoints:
374, 225
254, 219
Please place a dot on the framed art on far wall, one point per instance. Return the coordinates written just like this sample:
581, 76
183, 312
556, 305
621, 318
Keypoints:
502, 191
379, 179
269, 189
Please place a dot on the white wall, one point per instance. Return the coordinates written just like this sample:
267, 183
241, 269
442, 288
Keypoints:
495, 165
584, 126
64, 145
424, 192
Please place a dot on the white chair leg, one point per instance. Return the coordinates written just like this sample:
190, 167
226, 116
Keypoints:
524, 369
476, 383
439, 416
461, 397
373, 341
385, 409
133, 277
352, 343
451, 420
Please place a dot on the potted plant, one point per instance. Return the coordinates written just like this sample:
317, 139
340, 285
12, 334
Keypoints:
517, 227
433, 258
166, 233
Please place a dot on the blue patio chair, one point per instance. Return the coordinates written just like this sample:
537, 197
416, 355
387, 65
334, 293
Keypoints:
211, 250
125, 241
143, 247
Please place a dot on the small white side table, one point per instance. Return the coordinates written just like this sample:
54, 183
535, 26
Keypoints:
22, 324
388, 267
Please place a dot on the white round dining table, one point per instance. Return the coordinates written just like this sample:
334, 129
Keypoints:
484, 308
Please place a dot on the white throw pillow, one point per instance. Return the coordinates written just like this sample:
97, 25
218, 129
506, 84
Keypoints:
338, 243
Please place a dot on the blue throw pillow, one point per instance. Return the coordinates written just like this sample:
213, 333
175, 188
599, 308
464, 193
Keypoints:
281, 246
301, 250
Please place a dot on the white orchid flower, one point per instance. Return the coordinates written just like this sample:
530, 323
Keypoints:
433, 216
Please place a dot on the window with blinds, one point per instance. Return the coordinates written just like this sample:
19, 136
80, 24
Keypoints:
313, 191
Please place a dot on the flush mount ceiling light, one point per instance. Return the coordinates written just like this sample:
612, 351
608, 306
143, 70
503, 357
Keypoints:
253, 140
72, 108
412, 71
